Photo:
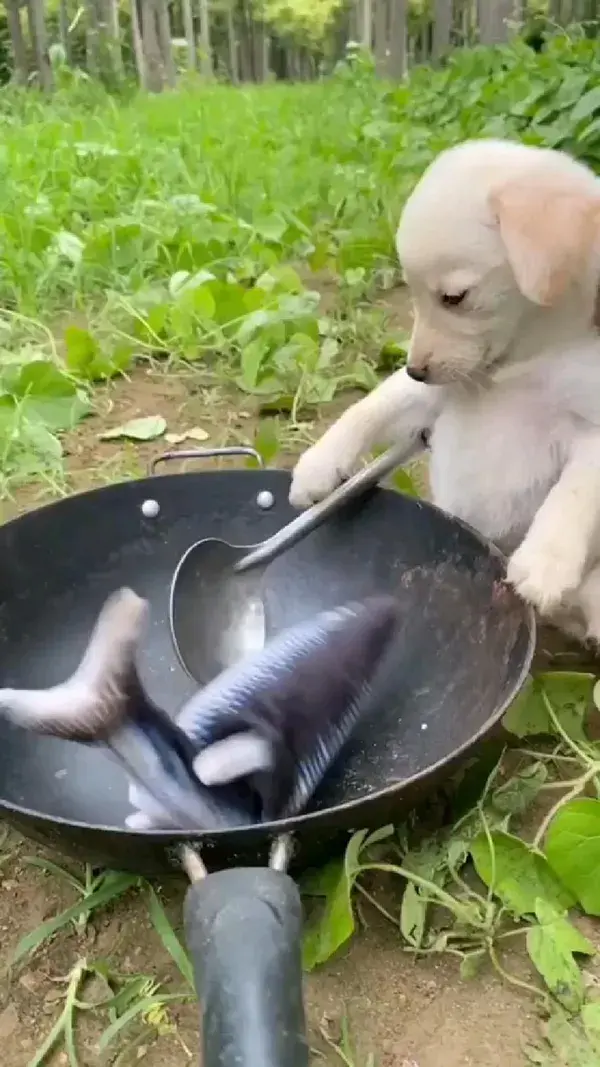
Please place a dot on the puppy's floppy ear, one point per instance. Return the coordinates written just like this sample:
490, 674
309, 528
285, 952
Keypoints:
548, 228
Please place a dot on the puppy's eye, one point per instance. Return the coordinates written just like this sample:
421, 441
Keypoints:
453, 300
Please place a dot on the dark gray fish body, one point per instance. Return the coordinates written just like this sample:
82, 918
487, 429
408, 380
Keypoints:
303, 695
253, 745
159, 757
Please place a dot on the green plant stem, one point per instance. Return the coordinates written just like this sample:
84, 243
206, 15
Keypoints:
550, 757
375, 903
437, 894
579, 752
576, 787
512, 979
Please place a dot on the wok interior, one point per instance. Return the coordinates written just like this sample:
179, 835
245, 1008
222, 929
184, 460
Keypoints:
462, 650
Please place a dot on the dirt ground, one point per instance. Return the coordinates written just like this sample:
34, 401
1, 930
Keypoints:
405, 1013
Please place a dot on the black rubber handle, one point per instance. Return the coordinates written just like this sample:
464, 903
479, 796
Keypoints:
243, 929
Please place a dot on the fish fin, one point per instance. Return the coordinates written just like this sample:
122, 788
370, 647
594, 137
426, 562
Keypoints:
236, 756
94, 698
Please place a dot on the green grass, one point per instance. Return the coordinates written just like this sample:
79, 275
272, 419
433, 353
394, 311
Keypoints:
197, 226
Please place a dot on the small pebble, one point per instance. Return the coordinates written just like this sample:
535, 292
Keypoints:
424, 726
150, 509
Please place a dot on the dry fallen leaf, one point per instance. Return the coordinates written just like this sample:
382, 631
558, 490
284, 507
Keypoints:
196, 433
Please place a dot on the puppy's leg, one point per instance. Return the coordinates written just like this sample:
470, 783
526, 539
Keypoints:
549, 565
398, 410
587, 599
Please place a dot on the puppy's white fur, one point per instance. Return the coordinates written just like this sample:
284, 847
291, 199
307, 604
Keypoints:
512, 391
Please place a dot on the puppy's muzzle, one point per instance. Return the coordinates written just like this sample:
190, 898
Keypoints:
419, 374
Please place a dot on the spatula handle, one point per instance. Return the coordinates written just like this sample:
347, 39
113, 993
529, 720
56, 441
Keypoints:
309, 520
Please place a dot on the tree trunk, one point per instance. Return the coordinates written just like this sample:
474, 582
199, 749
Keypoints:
381, 36
63, 30
113, 33
556, 11
245, 53
258, 52
37, 30
442, 28
494, 17
365, 23
165, 42
17, 40
92, 39
232, 48
138, 45
152, 56
397, 56
190, 35
206, 66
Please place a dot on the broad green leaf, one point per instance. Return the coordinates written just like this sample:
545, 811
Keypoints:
413, 915
403, 483
69, 246
567, 1042
587, 105
318, 390
514, 796
281, 277
86, 359
183, 280
45, 394
321, 881
353, 850
517, 875
590, 1014
552, 944
271, 226
572, 847
266, 441
147, 428
333, 924
329, 350
377, 837
199, 299
570, 695
254, 355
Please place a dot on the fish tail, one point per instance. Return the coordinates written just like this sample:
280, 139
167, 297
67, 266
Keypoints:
95, 698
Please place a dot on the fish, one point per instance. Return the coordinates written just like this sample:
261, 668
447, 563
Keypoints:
252, 746
104, 702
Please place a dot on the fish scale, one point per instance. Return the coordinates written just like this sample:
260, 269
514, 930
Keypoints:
232, 702
229, 692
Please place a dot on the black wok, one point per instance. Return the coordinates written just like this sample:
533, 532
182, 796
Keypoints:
461, 657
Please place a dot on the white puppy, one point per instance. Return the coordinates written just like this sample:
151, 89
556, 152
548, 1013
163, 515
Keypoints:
500, 244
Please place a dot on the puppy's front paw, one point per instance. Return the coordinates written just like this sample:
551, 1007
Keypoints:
546, 577
317, 473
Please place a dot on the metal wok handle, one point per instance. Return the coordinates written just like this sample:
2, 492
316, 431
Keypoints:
243, 928
309, 520
206, 453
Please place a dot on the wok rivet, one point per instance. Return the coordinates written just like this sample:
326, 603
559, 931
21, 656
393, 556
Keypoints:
150, 509
265, 499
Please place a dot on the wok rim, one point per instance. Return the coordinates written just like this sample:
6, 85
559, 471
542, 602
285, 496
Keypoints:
270, 830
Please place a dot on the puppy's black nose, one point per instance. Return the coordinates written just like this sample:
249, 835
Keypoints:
420, 374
